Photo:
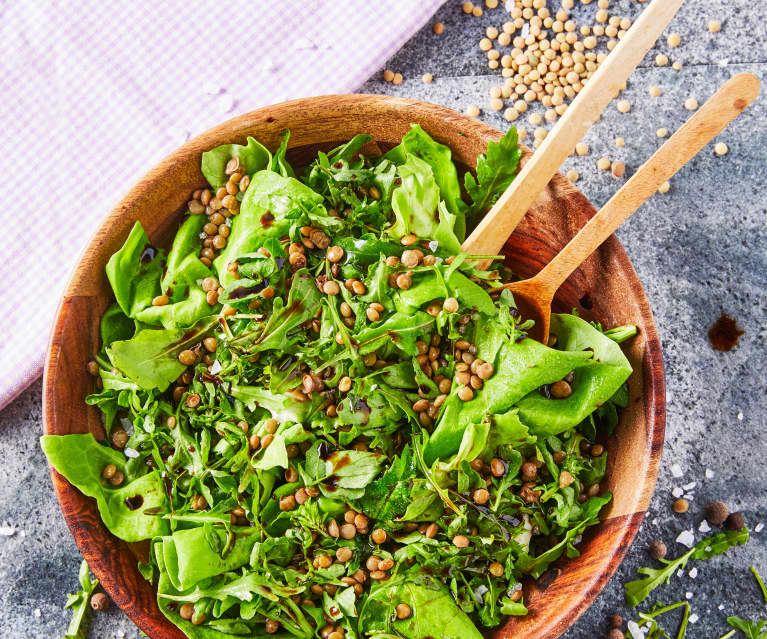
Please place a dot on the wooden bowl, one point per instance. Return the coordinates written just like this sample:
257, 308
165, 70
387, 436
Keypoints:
605, 288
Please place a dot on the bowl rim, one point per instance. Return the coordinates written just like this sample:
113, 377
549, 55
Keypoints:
653, 382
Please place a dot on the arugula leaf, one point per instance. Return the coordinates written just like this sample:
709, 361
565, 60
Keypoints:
79, 604
389, 496
752, 629
637, 591
760, 582
495, 171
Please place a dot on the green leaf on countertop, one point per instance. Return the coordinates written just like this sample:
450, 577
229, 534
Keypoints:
637, 591
79, 602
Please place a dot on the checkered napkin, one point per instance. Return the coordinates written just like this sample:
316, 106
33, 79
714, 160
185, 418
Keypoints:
94, 93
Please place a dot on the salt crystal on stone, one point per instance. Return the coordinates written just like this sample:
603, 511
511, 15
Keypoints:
693, 618
721, 606
723, 63
635, 630
686, 538
690, 486
132, 453
680, 573
710, 474
759, 527
704, 527
676, 470
740, 415
689, 496
225, 103
677, 491
688, 595
693, 573
7, 531
38, 614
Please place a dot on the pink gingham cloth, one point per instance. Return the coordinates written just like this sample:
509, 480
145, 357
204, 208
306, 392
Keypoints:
94, 93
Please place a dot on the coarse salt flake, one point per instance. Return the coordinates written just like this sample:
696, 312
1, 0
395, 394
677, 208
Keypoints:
680, 573
759, 527
635, 631
740, 415
721, 606
676, 470
688, 595
704, 527
710, 474
38, 613
216, 368
686, 538
7, 531
131, 453
693, 618
693, 573
690, 486
677, 491
433, 245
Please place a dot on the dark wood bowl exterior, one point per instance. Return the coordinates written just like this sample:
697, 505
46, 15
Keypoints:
606, 288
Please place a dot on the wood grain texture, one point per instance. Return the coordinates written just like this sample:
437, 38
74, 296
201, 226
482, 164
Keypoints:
604, 287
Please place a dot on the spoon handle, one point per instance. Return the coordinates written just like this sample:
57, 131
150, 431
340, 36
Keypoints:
497, 225
721, 109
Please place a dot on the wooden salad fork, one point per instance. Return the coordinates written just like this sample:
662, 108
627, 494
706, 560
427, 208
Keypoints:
534, 296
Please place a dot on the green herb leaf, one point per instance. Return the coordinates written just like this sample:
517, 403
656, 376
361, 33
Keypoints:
637, 591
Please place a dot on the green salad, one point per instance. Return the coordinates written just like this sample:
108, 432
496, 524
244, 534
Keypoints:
327, 420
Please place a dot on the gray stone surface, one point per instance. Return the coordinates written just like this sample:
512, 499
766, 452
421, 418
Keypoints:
699, 249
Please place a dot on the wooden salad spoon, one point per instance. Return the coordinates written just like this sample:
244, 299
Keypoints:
534, 296
491, 233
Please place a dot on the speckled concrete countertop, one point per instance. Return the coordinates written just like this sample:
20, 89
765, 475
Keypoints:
699, 249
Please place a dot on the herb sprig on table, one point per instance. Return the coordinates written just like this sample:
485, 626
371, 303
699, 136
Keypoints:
323, 416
